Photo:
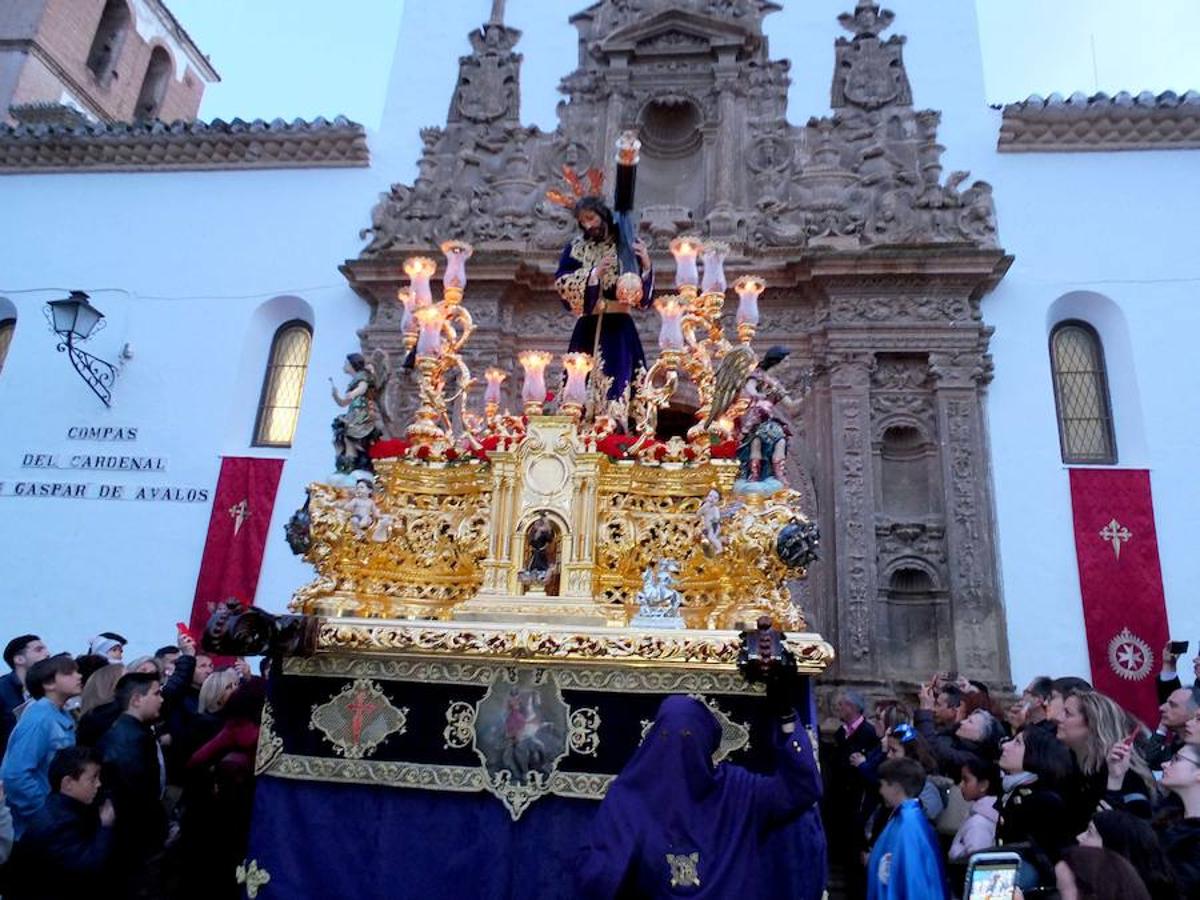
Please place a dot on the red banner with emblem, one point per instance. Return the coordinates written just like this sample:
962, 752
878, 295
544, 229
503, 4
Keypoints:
237, 535
1120, 579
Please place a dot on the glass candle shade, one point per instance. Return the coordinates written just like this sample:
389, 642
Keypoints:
457, 254
748, 288
534, 363
429, 320
670, 333
494, 378
685, 250
714, 268
408, 305
419, 270
577, 366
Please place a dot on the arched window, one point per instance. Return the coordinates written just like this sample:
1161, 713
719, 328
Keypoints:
110, 35
7, 327
154, 86
283, 386
1085, 426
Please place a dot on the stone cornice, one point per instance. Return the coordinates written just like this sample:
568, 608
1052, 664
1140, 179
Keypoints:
1080, 123
164, 147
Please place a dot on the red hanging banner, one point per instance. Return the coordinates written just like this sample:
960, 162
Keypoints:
237, 535
1120, 578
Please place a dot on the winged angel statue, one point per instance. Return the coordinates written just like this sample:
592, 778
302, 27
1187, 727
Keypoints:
752, 389
366, 417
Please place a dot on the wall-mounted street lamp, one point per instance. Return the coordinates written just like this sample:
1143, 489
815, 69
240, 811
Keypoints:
75, 320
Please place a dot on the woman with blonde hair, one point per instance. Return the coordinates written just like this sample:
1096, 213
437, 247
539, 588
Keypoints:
1101, 736
97, 705
217, 688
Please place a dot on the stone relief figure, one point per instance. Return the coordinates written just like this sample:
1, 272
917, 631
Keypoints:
361, 425
365, 518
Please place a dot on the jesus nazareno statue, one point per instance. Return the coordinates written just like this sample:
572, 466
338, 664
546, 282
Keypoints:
592, 265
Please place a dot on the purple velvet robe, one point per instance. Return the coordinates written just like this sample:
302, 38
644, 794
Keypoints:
675, 825
620, 345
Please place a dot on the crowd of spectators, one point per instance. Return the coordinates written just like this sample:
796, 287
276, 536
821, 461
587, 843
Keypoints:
1095, 803
124, 778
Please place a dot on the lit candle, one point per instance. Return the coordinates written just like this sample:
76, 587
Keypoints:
457, 254
494, 378
419, 270
429, 318
748, 288
714, 268
684, 249
670, 334
533, 391
578, 365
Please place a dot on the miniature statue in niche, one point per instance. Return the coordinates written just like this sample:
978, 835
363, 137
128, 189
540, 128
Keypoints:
361, 425
762, 434
541, 567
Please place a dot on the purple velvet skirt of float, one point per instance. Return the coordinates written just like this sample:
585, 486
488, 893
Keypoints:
620, 346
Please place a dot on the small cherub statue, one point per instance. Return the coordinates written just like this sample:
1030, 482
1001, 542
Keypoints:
710, 523
365, 516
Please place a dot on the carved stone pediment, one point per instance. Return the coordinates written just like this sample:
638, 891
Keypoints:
678, 31
719, 154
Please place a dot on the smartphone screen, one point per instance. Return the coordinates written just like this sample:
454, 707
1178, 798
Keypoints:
992, 881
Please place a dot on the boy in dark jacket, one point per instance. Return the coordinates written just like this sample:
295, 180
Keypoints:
133, 775
67, 849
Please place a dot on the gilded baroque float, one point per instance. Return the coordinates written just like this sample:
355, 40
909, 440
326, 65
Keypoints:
577, 512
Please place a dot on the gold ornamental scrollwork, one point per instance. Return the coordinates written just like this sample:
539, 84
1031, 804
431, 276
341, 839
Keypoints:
682, 647
460, 725
584, 736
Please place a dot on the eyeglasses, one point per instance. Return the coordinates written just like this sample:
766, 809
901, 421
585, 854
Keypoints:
1180, 755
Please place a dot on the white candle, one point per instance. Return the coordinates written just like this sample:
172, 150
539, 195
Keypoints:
748, 288
577, 365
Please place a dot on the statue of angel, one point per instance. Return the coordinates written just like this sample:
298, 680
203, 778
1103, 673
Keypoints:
747, 385
361, 425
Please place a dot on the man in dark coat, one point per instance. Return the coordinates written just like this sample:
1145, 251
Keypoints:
134, 778
66, 850
845, 786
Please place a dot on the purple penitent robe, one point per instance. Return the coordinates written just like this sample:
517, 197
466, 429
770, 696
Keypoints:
675, 825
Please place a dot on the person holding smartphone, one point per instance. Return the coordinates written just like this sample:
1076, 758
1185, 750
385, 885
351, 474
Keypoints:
1168, 678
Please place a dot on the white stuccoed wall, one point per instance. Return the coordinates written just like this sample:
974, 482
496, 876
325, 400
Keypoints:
1116, 225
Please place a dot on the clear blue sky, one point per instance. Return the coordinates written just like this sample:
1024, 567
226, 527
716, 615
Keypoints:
306, 58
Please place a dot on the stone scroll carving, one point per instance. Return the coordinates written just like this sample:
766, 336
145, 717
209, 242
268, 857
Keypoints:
868, 175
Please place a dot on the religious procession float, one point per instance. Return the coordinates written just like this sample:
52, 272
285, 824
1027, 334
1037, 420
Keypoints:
503, 596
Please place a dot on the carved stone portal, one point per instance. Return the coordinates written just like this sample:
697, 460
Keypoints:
876, 266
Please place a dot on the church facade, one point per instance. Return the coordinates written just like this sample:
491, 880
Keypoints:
969, 341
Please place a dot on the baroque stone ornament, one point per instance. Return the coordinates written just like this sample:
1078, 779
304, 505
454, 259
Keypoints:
869, 175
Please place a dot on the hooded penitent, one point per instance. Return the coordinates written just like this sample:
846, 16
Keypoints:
675, 825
